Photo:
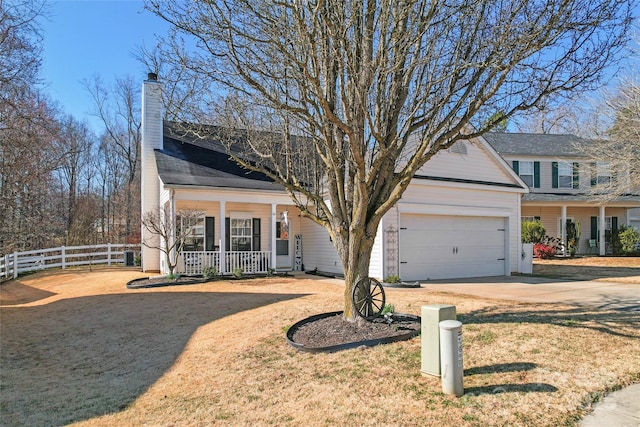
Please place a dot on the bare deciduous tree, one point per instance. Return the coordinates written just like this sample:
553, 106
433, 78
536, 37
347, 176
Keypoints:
75, 145
118, 108
20, 55
168, 231
378, 88
615, 142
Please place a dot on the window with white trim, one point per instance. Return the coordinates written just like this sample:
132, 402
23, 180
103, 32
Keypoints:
240, 234
565, 175
194, 239
526, 172
603, 170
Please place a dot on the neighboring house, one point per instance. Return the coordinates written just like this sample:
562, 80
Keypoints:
460, 216
561, 180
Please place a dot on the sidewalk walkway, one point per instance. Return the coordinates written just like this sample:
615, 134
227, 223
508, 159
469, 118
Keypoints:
619, 409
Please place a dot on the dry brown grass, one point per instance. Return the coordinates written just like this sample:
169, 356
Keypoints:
79, 347
606, 269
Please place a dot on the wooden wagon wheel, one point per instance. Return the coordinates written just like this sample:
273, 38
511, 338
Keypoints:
368, 298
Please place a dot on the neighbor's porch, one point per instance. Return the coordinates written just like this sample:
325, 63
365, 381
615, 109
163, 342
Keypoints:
593, 224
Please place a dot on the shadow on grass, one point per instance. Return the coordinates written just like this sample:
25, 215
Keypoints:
618, 321
511, 388
14, 292
79, 358
501, 367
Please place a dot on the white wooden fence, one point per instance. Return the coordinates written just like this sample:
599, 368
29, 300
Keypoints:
65, 256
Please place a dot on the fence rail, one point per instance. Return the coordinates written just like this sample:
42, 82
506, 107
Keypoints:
12, 265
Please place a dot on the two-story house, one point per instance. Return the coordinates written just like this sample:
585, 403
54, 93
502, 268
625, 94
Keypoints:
561, 180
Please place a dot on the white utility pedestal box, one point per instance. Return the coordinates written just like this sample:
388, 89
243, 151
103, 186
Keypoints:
432, 315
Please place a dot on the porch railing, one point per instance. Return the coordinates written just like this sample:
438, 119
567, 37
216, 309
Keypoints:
194, 262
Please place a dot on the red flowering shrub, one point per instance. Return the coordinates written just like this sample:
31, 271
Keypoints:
543, 251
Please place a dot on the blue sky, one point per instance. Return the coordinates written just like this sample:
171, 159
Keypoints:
83, 38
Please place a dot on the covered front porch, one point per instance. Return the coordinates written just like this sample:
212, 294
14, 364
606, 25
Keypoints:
238, 231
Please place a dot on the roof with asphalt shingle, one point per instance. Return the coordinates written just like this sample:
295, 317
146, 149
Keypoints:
531, 144
189, 161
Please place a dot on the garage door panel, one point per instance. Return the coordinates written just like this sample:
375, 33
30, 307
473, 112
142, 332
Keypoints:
439, 247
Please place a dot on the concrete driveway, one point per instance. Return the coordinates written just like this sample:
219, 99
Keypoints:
598, 294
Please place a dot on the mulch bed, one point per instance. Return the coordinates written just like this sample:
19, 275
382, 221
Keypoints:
334, 330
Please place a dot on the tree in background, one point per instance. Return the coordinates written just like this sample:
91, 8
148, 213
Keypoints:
118, 107
377, 89
615, 142
76, 144
28, 128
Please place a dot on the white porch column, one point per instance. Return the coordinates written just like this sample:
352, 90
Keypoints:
563, 229
601, 230
222, 237
272, 243
172, 220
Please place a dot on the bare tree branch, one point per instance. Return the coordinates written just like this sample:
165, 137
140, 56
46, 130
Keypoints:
378, 88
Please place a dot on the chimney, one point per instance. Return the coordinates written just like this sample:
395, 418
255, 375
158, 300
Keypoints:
151, 139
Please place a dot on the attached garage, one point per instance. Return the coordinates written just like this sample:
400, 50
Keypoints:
448, 246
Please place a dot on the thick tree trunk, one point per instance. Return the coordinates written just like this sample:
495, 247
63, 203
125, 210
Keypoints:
354, 250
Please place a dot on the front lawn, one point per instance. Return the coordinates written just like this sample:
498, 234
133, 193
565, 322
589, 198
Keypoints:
80, 347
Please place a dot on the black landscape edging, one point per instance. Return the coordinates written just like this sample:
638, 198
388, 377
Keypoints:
400, 285
346, 346
198, 279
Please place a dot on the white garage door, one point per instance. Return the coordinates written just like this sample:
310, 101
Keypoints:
450, 247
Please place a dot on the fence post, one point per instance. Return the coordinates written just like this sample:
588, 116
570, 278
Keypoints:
109, 254
62, 257
15, 265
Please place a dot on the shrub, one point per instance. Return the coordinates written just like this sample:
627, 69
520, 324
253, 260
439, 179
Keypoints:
392, 279
210, 272
573, 236
237, 272
532, 232
388, 308
543, 251
629, 239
